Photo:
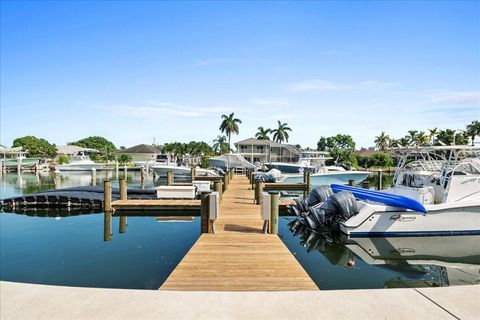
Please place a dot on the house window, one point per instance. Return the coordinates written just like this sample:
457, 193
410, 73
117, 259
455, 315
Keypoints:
243, 149
259, 149
256, 159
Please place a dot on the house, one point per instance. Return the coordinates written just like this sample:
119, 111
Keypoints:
255, 150
141, 153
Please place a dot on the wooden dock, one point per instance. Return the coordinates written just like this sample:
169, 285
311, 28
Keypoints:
239, 256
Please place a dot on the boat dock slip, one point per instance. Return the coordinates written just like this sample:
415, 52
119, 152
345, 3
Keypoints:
239, 256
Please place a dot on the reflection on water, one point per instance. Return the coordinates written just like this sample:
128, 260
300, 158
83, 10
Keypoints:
384, 262
85, 248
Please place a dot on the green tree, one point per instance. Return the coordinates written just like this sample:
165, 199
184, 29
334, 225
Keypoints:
229, 125
62, 159
473, 130
95, 142
420, 139
220, 145
263, 134
36, 147
281, 133
461, 138
124, 159
445, 137
381, 141
405, 141
341, 147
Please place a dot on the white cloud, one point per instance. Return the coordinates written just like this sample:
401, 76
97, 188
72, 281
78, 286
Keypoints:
326, 85
452, 97
167, 109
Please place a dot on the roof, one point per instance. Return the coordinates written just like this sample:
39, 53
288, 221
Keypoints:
260, 142
73, 150
367, 152
11, 150
141, 148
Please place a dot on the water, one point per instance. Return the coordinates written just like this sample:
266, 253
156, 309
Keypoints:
335, 262
71, 250
89, 250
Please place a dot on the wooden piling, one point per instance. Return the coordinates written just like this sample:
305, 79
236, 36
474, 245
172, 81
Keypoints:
252, 180
226, 181
258, 192
107, 196
379, 183
192, 173
205, 226
123, 189
306, 180
274, 196
142, 177
365, 185
351, 183
217, 186
94, 177
169, 177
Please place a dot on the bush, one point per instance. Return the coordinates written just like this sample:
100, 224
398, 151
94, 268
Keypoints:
62, 159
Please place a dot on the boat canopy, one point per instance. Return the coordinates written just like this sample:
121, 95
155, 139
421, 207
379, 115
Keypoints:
232, 160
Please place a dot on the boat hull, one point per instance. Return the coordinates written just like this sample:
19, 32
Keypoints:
289, 167
161, 171
318, 179
80, 167
442, 219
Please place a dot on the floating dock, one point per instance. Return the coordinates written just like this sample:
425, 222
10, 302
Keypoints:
239, 256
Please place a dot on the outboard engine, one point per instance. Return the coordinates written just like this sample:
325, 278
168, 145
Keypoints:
315, 197
339, 207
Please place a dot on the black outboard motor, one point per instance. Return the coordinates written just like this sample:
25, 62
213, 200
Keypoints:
339, 207
316, 196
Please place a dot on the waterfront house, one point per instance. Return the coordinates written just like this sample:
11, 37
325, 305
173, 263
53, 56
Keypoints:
255, 150
141, 153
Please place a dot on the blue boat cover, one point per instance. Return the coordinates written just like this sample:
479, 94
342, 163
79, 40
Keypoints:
381, 197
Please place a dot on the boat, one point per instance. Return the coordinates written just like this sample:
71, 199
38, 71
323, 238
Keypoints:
228, 161
180, 171
446, 203
80, 163
310, 161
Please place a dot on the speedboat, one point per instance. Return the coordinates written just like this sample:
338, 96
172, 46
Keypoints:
161, 171
80, 163
327, 175
230, 161
310, 161
445, 203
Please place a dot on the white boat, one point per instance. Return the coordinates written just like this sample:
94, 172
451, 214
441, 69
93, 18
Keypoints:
80, 163
450, 195
180, 171
327, 175
228, 161
310, 161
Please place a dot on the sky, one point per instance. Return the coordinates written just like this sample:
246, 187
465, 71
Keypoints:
138, 71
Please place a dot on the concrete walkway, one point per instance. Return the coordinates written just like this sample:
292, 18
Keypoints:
28, 301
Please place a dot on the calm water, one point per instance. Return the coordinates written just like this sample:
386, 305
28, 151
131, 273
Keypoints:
91, 250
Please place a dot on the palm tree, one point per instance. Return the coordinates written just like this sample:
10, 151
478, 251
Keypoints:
473, 130
229, 125
405, 141
420, 139
381, 142
220, 145
280, 134
393, 143
412, 134
433, 135
263, 134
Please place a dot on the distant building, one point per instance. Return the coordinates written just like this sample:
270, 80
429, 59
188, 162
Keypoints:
364, 152
141, 153
255, 150
72, 150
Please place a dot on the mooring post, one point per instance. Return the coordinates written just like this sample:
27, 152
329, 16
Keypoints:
252, 180
309, 182
217, 186
379, 183
94, 177
365, 185
351, 183
142, 177
122, 227
274, 196
169, 177
192, 173
227, 180
205, 226
258, 191
107, 196
123, 189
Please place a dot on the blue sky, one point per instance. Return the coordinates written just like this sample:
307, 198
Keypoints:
132, 71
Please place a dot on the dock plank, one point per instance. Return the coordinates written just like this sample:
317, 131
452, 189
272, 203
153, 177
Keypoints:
239, 256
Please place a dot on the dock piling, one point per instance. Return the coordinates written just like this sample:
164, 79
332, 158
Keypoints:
205, 212
217, 186
142, 177
365, 185
123, 189
107, 196
169, 177
379, 183
274, 196
94, 177
192, 173
258, 192
351, 183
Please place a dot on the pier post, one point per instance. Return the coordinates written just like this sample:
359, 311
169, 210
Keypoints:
217, 186
351, 183
274, 196
169, 177
205, 225
306, 180
252, 180
258, 191
142, 177
123, 189
94, 177
192, 173
379, 183
122, 227
365, 185
107, 196
226, 180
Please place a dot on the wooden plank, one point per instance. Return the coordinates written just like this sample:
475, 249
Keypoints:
239, 257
